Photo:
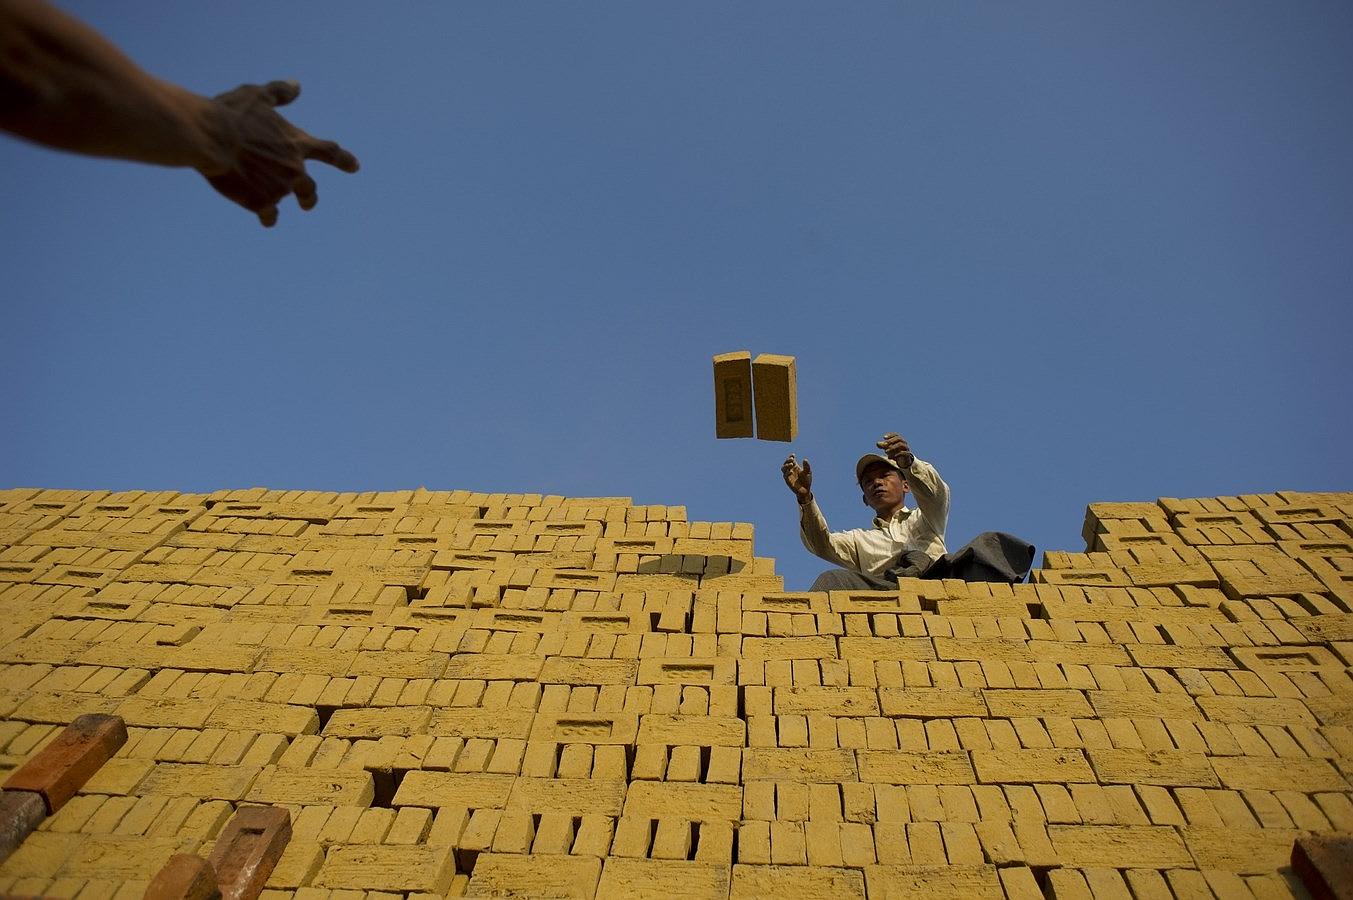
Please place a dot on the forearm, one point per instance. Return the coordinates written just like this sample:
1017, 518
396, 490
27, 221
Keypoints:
817, 538
63, 85
931, 493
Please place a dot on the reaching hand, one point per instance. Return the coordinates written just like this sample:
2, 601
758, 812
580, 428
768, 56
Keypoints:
263, 156
799, 479
897, 449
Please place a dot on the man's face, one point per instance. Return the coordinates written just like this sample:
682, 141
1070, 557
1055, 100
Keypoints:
884, 488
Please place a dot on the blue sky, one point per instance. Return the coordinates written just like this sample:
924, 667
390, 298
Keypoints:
1073, 251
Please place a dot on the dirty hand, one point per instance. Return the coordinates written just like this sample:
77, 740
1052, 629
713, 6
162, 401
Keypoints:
262, 156
799, 478
897, 449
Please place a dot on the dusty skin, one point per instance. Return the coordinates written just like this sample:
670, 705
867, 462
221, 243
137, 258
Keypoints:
64, 86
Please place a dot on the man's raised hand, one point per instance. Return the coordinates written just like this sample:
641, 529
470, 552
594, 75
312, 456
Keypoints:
897, 449
260, 156
798, 478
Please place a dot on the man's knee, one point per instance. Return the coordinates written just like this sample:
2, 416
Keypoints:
845, 580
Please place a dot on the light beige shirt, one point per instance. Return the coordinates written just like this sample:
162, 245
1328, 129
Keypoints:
873, 550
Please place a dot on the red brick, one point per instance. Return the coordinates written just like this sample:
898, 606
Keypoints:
248, 849
21, 812
186, 876
1325, 865
60, 768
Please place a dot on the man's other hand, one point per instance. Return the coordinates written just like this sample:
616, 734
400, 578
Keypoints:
897, 449
798, 478
262, 156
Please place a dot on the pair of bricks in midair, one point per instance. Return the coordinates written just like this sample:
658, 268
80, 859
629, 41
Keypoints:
768, 383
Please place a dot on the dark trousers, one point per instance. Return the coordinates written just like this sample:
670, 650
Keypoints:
991, 556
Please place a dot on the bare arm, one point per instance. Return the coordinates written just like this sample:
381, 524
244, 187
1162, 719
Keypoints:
929, 489
64, 86
813, 530
818, 539
931, 493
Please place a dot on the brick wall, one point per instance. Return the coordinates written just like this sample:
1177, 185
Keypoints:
468, 693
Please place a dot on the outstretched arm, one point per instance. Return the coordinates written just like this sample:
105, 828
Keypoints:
813, 531
929, 489
63, 85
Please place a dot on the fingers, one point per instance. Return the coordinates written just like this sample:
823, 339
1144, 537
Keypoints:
329, 152
268, 216
280, 93
305, 190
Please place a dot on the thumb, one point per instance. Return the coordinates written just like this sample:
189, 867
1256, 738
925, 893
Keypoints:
807, 469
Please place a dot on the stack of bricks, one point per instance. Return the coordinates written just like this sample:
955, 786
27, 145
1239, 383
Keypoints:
458, 693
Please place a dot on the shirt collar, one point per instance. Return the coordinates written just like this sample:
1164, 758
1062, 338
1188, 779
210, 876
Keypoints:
902, 513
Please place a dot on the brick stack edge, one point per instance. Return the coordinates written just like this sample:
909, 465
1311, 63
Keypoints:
460, 693
733, 395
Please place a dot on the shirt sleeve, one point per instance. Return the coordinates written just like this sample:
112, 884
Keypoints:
931, 493
834, 548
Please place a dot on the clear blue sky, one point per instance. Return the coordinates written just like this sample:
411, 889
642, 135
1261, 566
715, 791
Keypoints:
1073, 251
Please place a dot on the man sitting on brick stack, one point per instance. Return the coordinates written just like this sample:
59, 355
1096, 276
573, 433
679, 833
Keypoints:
904, 543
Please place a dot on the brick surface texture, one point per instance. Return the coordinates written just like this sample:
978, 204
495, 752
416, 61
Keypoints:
456, 693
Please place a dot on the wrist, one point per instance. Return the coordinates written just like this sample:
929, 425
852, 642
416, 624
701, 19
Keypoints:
212, 135
805, 498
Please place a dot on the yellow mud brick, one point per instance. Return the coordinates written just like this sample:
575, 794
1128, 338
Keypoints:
693, 670
494, 667
401, 721
60, 707
931, 703
1116, 704
836, 701
764, 648
536, 875
41, 855
165, 712
1142, 846
1263, 773
799, 765
696, 802
775, 386
119, 776
904, 767
705, 731
796, 881
1247, 851
388, 868
886, 648
571, 670
124, 858
312, 786
578, 796
903, 881
1009, 704
660, 878
1171, 656
276, 718
733, 395
200, 781
1256, 710
1031, 766
585, 728
447, 789
472, 722
1167, 768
